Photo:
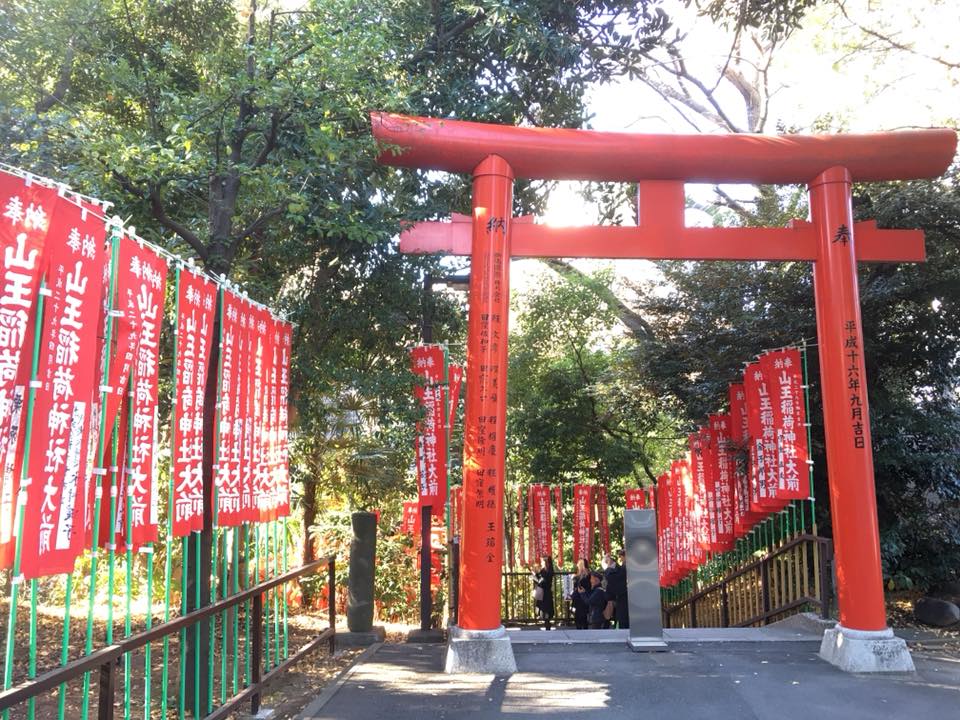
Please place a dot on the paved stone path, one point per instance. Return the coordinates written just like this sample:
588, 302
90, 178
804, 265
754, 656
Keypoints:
714, 681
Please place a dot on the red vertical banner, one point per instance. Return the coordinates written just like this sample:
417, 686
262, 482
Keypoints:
784, 373
428, 363
282, 467
53, 519
582, 523
722, 460
699, 509
26, 210
138, 302
762, 439
409, 525
267, 493
743, 519
521, 529
150, 272
542, 527
685, 530
671, 509
531, 538
229, 413
634, 498
603, 512
242, 455
455, 373
196, 296
663, 523
263, 357
558, 500
708, 461
652, 498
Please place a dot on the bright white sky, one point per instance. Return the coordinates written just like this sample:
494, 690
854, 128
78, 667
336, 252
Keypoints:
814, 76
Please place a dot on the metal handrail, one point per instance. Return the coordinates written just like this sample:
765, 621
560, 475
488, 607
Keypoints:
107, 658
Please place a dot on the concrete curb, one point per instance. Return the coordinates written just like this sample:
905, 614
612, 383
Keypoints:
311, 711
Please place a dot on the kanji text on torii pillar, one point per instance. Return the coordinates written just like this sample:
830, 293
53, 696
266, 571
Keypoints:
661, 164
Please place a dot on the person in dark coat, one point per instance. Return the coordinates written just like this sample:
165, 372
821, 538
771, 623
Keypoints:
596, 602
615, 582
623, 608
581, 586
543, 579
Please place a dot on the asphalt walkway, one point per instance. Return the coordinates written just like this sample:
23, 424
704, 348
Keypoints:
714, 681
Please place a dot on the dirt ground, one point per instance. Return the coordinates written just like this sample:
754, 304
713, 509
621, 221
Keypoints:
946, 641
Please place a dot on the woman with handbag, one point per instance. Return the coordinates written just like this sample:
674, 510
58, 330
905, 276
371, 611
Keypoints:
581, 587
543, 590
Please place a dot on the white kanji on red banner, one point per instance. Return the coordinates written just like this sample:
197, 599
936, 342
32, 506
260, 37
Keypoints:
55, 510
25, 210
196, 298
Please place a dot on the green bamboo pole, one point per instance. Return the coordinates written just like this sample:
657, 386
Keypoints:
225, 591
32, 654
266, 606
286, 634
128, 531
276, 601
185, 544
112, 535
100, 472
167, 571
196, 631
236, 618
218, 534
147, 666
15, 578
214, 564
246, 604
65, 648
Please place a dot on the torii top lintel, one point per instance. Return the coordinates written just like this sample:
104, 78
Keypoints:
563, 154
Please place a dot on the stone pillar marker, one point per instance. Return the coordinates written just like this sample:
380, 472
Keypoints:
360, 586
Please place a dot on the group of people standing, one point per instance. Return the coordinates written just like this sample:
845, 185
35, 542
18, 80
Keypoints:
598, 597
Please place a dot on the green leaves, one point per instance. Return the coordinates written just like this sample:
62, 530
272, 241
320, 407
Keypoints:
576, 411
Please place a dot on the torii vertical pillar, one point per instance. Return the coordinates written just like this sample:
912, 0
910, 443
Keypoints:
480, 643
861, 641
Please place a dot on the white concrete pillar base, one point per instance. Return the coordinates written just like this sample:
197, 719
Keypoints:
487, 652
865, 651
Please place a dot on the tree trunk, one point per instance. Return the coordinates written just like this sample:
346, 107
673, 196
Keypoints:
309, 505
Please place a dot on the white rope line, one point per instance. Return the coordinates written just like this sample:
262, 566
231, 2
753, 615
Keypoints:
115, 223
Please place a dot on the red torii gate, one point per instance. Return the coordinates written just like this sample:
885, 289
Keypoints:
661, 164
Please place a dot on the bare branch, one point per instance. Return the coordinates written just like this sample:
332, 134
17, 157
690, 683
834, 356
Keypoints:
637, 326
276, 121
260, 222
275, 70
707, 93
453, 33
160, 214
751, 97
893, 43
151, 193
737, 207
